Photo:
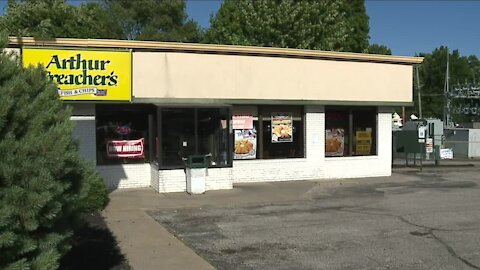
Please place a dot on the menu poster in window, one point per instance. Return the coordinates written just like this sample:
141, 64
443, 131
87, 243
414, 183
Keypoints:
125, 149
282, 128
245, 144
334, 142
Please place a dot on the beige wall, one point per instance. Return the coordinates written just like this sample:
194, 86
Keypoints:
213, 76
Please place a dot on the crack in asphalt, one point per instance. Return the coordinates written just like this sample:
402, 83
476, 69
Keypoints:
430, 231
452, 252
397, 217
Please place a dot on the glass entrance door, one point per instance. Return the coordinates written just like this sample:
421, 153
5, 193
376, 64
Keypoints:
195, 131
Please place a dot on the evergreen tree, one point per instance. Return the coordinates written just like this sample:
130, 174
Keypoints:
44, 185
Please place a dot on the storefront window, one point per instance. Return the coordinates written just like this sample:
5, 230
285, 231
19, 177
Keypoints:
268, 132
350, 132
122, 133
214, 135
178, 135
194, 131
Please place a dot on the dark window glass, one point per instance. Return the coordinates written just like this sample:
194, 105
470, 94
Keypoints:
122, 133
364, 132
194, 131
213, 135
350, 132
282, 131
178, 135
337, 133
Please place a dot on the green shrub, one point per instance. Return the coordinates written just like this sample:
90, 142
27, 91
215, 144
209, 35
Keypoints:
44, 185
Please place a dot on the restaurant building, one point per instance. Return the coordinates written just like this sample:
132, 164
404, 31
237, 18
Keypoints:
258, 114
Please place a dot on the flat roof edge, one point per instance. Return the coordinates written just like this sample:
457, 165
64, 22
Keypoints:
203, 101
212, 48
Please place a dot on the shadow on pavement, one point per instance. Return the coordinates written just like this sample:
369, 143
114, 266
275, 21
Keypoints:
94, 247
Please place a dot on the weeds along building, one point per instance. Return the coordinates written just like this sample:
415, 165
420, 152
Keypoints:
259, 114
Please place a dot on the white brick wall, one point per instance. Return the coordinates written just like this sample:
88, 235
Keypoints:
175, 180
270, 170
219, 178
83, 115
171, 181
154, 176
84, 132
315, 133
126, 175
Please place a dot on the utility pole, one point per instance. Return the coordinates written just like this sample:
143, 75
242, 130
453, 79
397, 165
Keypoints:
419, 94
446, 107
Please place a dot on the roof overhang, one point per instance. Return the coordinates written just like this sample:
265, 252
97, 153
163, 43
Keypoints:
211, 48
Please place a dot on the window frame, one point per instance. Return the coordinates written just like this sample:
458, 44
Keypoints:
264, 112
148, 112
159, 160
350, 111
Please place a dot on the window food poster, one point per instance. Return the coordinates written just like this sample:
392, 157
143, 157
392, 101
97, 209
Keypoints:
334, 142
282, 127
245, 144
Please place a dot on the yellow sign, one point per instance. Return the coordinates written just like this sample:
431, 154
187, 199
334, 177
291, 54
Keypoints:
85, 75
363, 142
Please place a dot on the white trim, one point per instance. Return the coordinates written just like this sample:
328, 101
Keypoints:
351, 158
82, 118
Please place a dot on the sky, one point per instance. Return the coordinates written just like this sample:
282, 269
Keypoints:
407, 27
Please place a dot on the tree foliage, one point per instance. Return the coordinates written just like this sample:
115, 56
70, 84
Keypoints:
119, 19
320, 24
432, 77
56, 18
378, 49
358, 25
44, 184
153, 20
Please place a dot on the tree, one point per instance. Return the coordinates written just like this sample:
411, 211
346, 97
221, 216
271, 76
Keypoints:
317, 25
358, 25
153, 20
44, 185
378, 49
56, 18
432, 77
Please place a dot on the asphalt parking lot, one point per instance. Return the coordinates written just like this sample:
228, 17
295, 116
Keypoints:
412, 220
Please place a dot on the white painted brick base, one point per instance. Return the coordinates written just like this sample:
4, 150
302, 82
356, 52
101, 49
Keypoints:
246, 171
126, 175
176, 181
154, 175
